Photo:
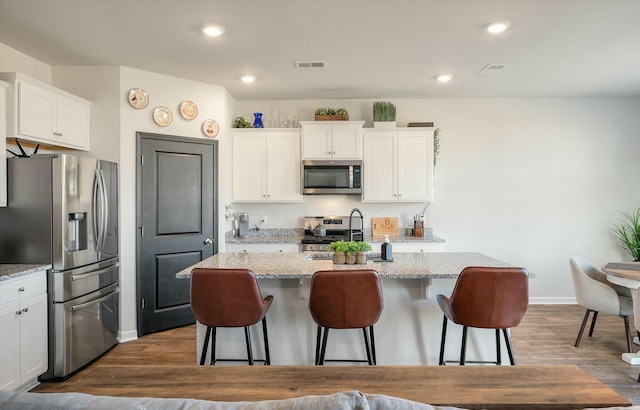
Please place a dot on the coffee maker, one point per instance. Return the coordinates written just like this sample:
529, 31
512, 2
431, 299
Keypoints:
243, 225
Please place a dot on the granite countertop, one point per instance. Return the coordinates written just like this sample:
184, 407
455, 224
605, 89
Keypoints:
11, 271
276, 236
411, 265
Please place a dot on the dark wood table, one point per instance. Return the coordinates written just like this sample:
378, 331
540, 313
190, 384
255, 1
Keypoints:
473, 387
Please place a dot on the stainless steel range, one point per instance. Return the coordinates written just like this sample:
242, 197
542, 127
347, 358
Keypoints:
320, 231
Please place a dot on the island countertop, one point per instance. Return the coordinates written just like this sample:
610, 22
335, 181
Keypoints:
410, 265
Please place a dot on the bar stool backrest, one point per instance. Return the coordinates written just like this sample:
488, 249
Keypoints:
346, 299
226, 297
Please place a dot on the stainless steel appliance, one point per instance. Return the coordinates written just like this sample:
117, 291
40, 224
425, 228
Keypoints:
322, 177
243, 225
335, 228
63, 211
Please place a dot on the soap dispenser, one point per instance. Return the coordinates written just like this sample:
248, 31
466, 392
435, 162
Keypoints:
386, 250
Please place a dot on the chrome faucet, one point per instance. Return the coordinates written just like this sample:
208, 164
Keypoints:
351, 219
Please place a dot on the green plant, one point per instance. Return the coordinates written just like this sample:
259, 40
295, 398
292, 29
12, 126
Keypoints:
240, 122
363, 246
349, 247
331, 111
384, 111
628, 233
436, 145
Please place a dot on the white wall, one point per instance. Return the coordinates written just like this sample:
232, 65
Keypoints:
528, 181
12, 60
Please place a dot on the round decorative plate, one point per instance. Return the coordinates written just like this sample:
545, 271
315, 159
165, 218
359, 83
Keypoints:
188, 110
162, 116
138, 98
210, 128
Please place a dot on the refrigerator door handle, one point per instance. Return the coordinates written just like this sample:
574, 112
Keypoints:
95, 301
104, 205
94, 273
94, 210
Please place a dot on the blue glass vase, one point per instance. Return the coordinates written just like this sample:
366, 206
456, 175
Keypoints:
257, 122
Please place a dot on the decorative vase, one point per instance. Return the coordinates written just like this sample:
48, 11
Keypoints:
338, 258
350, 259
257, 122
361, 258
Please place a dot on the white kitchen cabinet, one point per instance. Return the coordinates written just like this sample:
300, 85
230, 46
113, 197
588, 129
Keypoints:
331, 139
398, 165
3, 143
263, 247
23, 331
266, 165
41, 113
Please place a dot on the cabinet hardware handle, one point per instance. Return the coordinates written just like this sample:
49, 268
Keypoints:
19, 312
21, 289
25, 310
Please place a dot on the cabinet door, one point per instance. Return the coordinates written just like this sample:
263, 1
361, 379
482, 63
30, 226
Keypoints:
283, 167
248, 162
10, 346
72, 122
380, 166
316, 142
36, 111
347, 141
33, 337
415, 166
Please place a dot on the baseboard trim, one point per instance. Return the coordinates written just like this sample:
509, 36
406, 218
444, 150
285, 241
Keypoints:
124, 337
553, 301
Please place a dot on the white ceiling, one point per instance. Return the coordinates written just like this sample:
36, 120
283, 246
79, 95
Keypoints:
374, 49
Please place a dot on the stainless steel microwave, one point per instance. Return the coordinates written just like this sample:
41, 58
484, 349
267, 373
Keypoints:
324, 177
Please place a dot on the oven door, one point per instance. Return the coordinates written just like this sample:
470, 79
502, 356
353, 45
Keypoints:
84, 329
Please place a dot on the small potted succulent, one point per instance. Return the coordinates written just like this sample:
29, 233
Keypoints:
339, 249
384, 114
331, 114
361, 255
349, 252
628, 233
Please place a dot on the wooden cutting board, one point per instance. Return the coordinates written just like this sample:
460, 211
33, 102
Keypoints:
387, 225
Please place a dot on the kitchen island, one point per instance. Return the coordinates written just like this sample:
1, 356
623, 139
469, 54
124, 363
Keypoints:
408, 332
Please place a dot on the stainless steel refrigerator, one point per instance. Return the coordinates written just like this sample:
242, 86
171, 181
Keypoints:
63, 211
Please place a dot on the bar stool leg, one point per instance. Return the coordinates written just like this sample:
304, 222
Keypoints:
213, 346
325, 336
267, 360
463, 349
247, 339
366, 345
373, 345
443, 338
498, 349
318, 334
205, 345
508, 343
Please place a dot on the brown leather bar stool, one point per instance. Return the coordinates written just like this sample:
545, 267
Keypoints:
229, 298
490, 298
345, 299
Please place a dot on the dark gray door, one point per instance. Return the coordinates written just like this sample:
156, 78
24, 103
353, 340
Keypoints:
177, 204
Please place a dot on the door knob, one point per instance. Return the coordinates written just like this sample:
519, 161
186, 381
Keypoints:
208, 241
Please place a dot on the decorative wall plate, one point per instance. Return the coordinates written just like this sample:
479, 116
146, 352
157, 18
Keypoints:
162, 116
210, 128
138, 98
188, 110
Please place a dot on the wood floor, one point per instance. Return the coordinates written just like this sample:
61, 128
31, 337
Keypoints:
545, 337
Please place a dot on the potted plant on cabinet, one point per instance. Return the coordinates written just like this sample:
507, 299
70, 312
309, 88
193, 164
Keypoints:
332, 114
628, 233
384, 114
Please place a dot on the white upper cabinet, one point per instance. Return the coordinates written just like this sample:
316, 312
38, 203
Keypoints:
3, 143
398, 165
331, 139
266, 165
43, 114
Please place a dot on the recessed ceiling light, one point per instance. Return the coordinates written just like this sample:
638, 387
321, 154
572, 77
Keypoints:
212, 30
444, 78
248, 79
497, 27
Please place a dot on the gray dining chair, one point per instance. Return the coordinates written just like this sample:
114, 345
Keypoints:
596, 294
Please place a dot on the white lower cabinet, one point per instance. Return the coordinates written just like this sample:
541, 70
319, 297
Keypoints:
263, 247
398, 165
23, 331
265, 166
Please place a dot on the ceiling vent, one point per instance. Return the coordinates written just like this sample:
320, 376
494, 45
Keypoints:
493, 68
310, 64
